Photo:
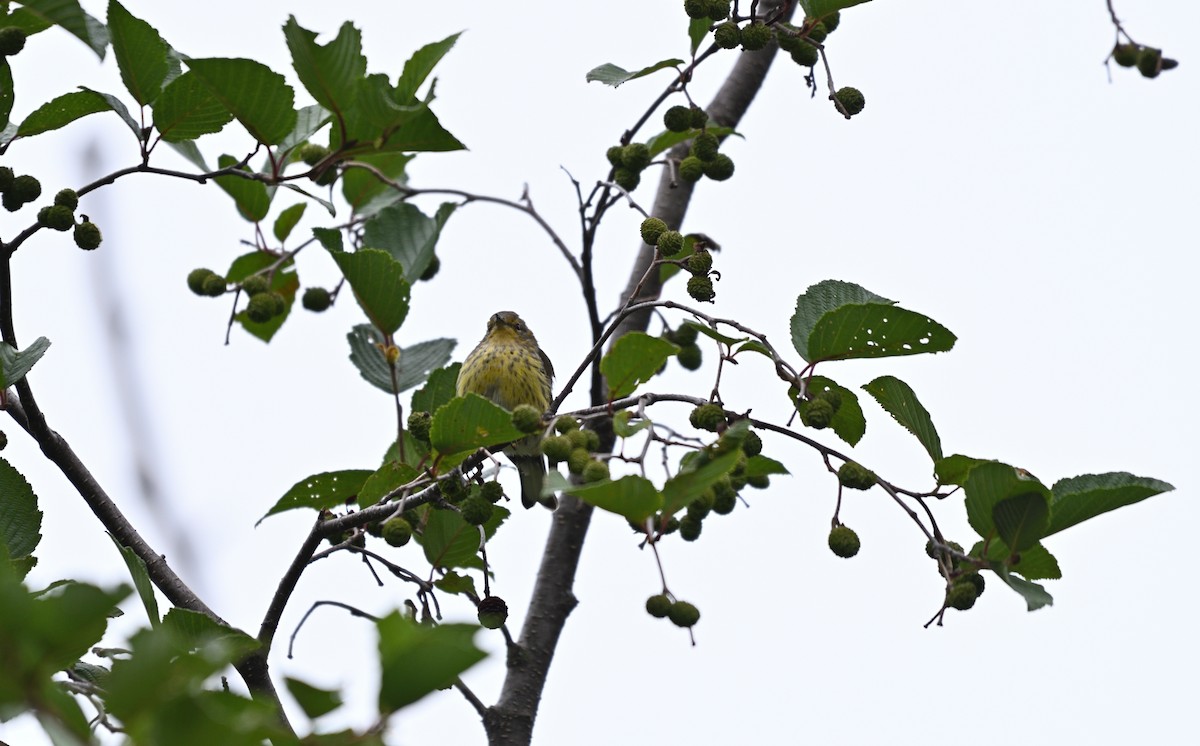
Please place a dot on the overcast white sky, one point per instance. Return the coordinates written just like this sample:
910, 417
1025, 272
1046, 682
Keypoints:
996, 181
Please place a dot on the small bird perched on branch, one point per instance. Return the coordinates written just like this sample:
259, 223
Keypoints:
509, 368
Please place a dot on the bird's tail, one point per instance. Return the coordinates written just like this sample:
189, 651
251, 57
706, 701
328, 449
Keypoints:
533, 474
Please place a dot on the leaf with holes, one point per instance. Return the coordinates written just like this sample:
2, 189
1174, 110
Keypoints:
321, 491
837, 320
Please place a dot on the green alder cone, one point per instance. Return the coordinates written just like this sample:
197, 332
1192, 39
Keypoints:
691, 169
720, 169
1126, 55
651, 229
856, 477
690, 357
397, 531
709, 417
87, 235
851, 100
493, 612
527, 418
690, 527
316, 299
727, 35
419, 425
476, 510
670, 243
658, 606
557, 448
961, 596
678, 119
684, 614
755, 37
197, 278
701, 288
67, 198
844, 542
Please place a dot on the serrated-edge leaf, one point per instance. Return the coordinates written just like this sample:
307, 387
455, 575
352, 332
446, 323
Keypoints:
20, 519
898, 399
418, 67
1034, 563
60, 111
141, 580
610, 74
260, 98
469, 422
69, 15
412, 366
14, 364
439, 389
379, 286
140, 52
989, 484
186, 109
452, 582
1021, 520
321, 491
955, 469
760, 465
686, 486
848, 422
633, 360
622, 427
631, 496
1081, 498
820, 299
872, 330
408, 234
329, 72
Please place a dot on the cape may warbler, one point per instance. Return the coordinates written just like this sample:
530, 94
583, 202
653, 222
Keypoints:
508, 367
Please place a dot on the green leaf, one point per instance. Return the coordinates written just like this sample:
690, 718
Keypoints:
418, 67
1080, 498
388, 477
452, 582
667, 139
141, 580
1021, 520
448, 540
329, 238
43, 633
364, 191
625, 426
760, 465
61, 111
39, 14
711, 333
848, 422
439, 389
378, 284
321, 491
412, 367
633, 360
837, 320
1035, 595
697, 30
7, 96
955, 469
380, 122
687, 485
822, 8
470, 422
314, 701
407, 234
990, 484
196, 630
258, 96
186, 109
284, 282
610, 74
416, 659
14, 365
309, 119
141, 53
250, 195
1035, 563
631, 496
898, 399
20, 519
322, 202
330, 72
287, 221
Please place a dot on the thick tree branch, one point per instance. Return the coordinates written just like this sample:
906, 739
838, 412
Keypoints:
510, 720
